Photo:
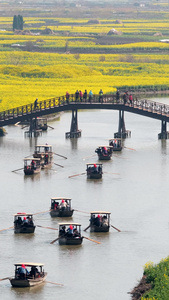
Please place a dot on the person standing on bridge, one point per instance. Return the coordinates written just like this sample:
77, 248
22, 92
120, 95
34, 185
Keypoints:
101, 96
125, 98
77, 96
36, 103
85, 96
131, 99
81, 96
117, 96
67, 97
90, 96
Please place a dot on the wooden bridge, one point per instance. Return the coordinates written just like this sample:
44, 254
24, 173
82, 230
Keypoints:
142, 107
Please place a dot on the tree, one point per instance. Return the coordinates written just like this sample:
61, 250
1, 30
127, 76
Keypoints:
18, 22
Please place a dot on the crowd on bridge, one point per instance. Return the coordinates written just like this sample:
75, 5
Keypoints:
79, 96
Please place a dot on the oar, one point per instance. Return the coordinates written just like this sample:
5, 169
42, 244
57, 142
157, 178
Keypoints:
6, 228
54, 283
57, 239
17, 170
76, 175
41, 212
116, 228
60, 155
112, 173
5, 278
130, 148
47, 227
85, 212
58, 165
50, 127
87, 227
91, 240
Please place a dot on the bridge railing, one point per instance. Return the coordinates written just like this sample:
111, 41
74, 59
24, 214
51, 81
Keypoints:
31, 108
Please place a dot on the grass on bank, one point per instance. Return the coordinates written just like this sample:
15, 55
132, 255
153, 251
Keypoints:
158, 276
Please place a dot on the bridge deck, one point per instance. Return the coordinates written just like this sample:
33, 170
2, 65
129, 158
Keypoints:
142, 107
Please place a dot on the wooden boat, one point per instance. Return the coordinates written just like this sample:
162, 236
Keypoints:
61, 207
42, 150
116, 143
104, 152
31, 166
23, 223
94, 171
99, 221
70, 234
34, 275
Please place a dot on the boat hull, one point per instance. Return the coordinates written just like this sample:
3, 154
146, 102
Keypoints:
104, 157
27, 282
31, 171
94, 228
24, 229
61, 213
94, 176
70, 241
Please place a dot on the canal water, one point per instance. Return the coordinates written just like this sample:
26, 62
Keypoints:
137, 198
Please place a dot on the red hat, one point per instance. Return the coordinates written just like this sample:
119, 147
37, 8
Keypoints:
98, 216
95, 166
24, 218
71, 227
63, 201
23, 266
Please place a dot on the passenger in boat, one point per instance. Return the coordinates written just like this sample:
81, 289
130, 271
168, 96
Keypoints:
97, 221
104, 150
94, 169
33, 165
99, 169
63, 205
62, 230
104, 221
76, 233
34, 272
46, 159
92, 220
22, 272
70, 231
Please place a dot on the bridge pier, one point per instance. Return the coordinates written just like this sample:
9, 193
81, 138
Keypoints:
74, 131
33, 128
122, 132
164, 134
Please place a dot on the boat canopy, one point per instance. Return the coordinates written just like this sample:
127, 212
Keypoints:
105, 146
29, 158
100, 212
118, 139
22, 214
61, 198
67, 224
29, 264
91, 164
43, 146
